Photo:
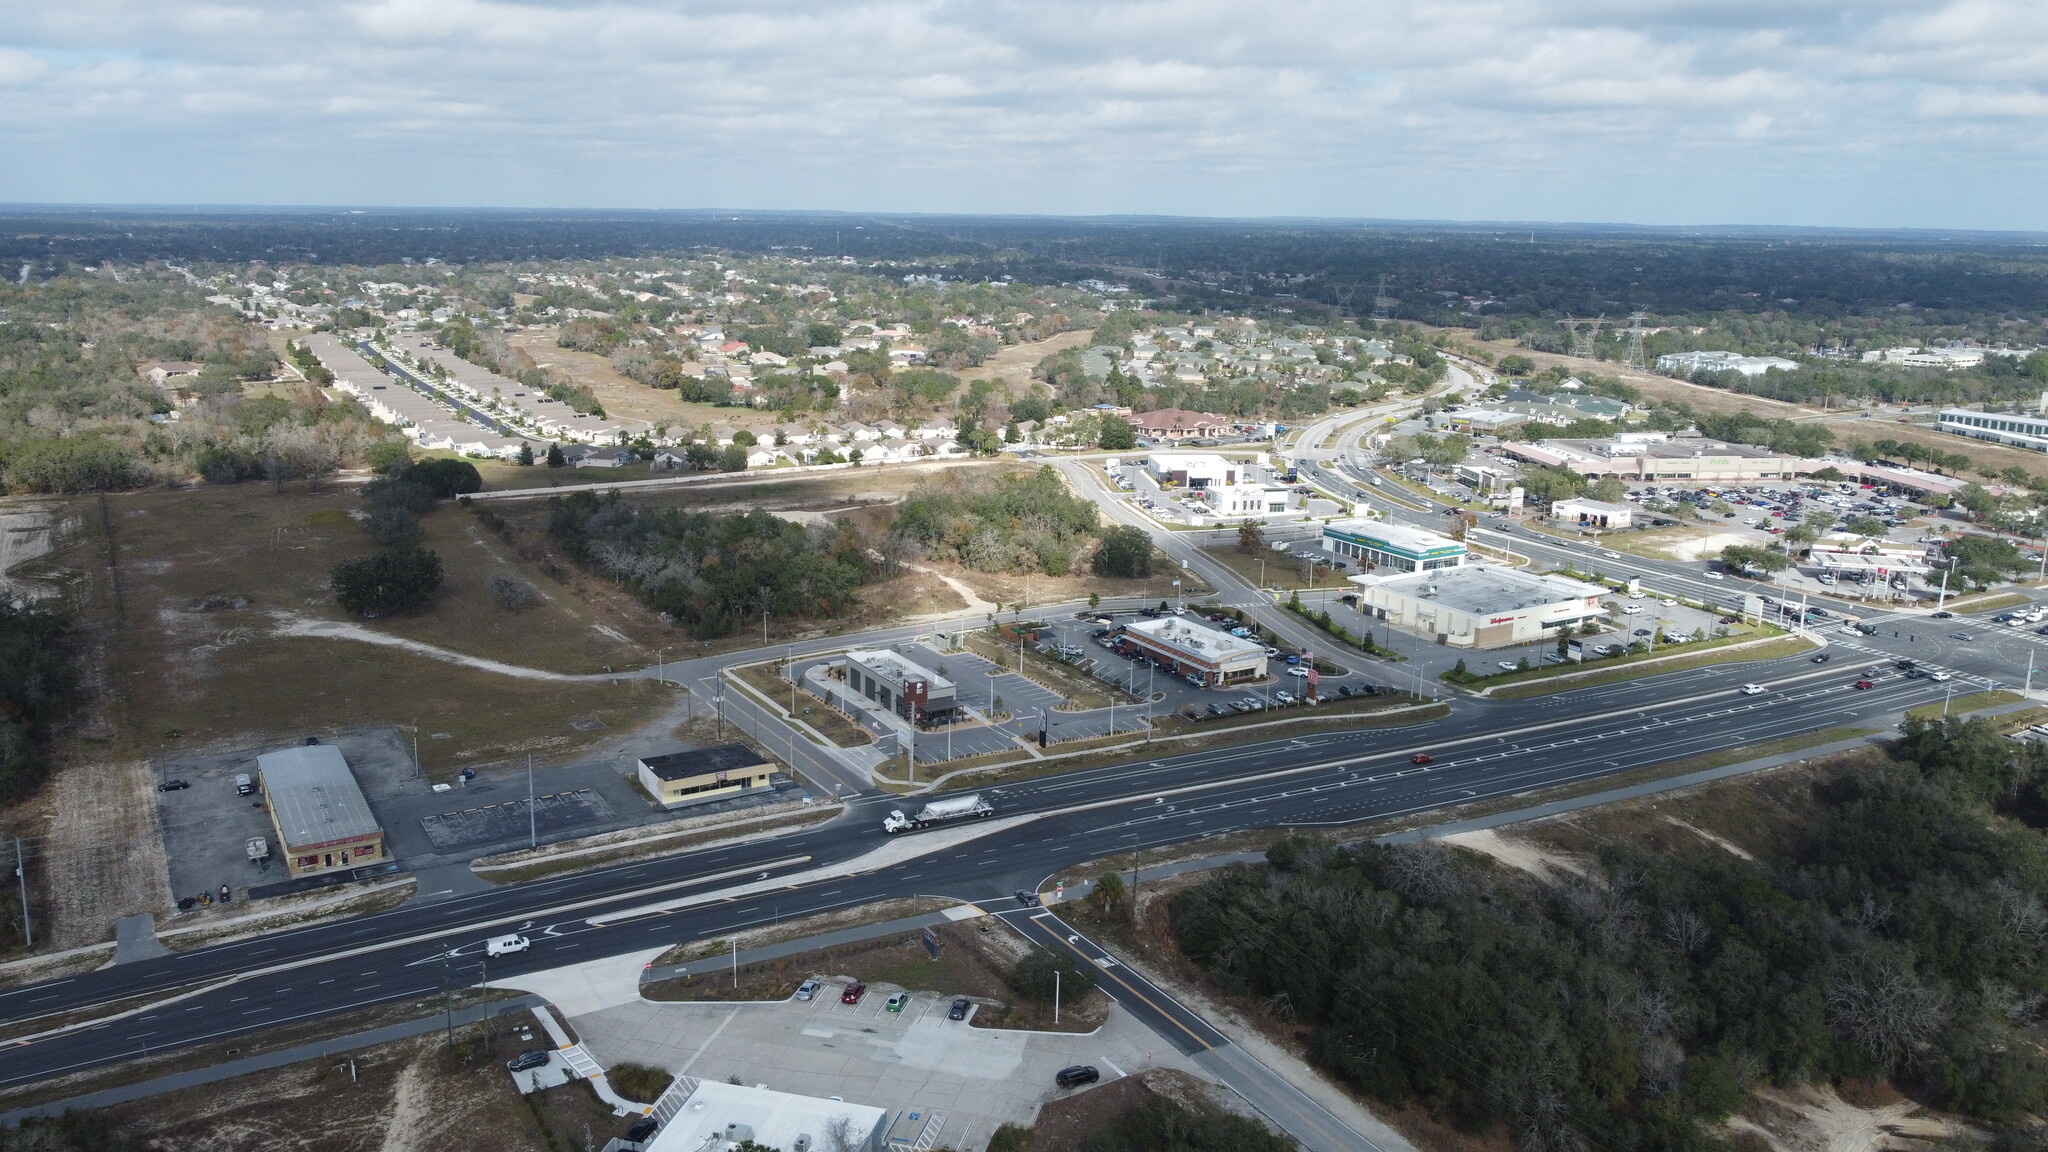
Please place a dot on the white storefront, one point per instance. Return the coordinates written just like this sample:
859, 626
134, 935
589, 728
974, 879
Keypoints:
1480, 606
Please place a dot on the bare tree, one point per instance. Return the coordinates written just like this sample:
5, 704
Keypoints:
1685, 929
1885, 1009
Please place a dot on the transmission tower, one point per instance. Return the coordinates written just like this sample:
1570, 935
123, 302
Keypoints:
1583, 334
1382, 304
1636, 332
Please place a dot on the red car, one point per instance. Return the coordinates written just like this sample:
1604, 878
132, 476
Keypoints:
1865, 684
854, 992
1422, 758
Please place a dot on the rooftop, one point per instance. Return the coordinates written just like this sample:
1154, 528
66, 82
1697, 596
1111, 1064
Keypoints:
703, 761
1196, 639
1483, 589
1596, 505
1417, 540
314, 796
769, 1118
897, 667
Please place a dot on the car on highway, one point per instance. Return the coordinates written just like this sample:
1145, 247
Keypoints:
1916, 673
1940, 675
1753, 689
1422, 758
1713, 576
1963, 636
1076, 1076
526, 1060
1901, 665
1027, 898
1866, 684
808, 990
959, 1009
896, 1001
1822, 658
173, 786
854, 992
1944, 614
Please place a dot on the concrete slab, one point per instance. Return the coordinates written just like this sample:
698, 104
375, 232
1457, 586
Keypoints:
135, 939
589, 987
918, 1060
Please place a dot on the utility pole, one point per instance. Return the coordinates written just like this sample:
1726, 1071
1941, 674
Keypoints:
532, 819
735, 961
447, 997
28, 930
1055, 995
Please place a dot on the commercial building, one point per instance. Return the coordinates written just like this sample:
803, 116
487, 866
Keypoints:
1478, 421
1378, 545
323, 823
713, 1116
1194, 469
1687, 363
1177, 424
908, 689
1246, 499
1946, 359
1480, 606
1191, 649
1593, 513
2008, 428
703, 774
1633, 457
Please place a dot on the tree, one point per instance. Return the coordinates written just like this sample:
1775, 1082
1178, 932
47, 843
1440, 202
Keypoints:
1831, 474
733, 459
1976, 500
445, 478
1116, 435
1095, 600
388, 457
1868, 526
1125, 552
555, 457
1985, 560
1108, 893
1609, 489
512, 593
1750, 558
392, 580
525, 454
1251, 536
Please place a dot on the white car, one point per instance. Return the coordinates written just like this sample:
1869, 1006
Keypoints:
1940, 676
1668, 602
1297, 671
1631, 609
1752, 689
1507, 665
1713, 575
1637, 595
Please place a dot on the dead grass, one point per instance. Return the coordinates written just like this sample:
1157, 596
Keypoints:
1982, 453
1630, 667
1974, 702
834, 725
105, 853
1278, 570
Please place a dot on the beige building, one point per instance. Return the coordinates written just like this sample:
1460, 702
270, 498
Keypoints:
1480, 606
323, 823
1215, 657
1646, 456
704, 774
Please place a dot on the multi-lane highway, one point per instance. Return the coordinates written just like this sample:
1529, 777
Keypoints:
1482, 749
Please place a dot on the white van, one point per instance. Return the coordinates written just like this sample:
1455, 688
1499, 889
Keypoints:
506, 945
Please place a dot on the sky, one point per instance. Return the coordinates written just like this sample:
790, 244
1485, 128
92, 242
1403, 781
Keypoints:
1869, 113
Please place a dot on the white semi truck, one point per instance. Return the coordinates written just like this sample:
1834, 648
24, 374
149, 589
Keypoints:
970, 806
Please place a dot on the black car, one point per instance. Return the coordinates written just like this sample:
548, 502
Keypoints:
526, 1060
1904, 665
1821, 659
1076, 1076
1027, 899
173, 786
959, 1009
1944, 614
1916, 673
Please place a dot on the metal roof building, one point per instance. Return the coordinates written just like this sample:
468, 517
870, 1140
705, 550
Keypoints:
322, 821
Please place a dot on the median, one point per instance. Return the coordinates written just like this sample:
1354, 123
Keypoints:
1539, 681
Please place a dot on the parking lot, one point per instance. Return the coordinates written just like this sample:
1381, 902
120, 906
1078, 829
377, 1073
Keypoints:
976, 1078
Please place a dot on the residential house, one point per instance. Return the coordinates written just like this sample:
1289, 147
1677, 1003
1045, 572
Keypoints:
935, 429
762, 456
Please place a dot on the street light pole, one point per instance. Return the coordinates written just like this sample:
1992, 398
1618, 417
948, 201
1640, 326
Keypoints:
532, 819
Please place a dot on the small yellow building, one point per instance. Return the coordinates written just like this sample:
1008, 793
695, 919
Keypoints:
323, 823
694, 777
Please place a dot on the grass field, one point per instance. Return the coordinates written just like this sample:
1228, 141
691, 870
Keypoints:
1974, 702
1542, 681
1266, 568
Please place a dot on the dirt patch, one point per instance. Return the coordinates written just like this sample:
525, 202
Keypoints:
1982, 453
1817, 1119
105, 854
1717, 841
27, 531
1524, 855
410, 1096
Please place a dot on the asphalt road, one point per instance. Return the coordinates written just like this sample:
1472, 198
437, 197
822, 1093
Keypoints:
1482, 750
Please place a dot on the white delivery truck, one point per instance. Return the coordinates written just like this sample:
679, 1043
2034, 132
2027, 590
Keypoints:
939, 812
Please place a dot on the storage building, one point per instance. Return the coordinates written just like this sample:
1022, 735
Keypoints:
323, 823
704, 774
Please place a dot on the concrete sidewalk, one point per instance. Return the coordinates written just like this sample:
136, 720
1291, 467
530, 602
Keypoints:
318, 1049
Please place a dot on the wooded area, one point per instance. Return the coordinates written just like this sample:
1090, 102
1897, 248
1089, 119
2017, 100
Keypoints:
1632, 1007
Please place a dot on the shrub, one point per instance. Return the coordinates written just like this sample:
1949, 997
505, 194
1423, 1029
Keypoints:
1032, 977
1125, 552
393, 580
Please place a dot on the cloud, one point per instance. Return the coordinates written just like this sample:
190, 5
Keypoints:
1708, 111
